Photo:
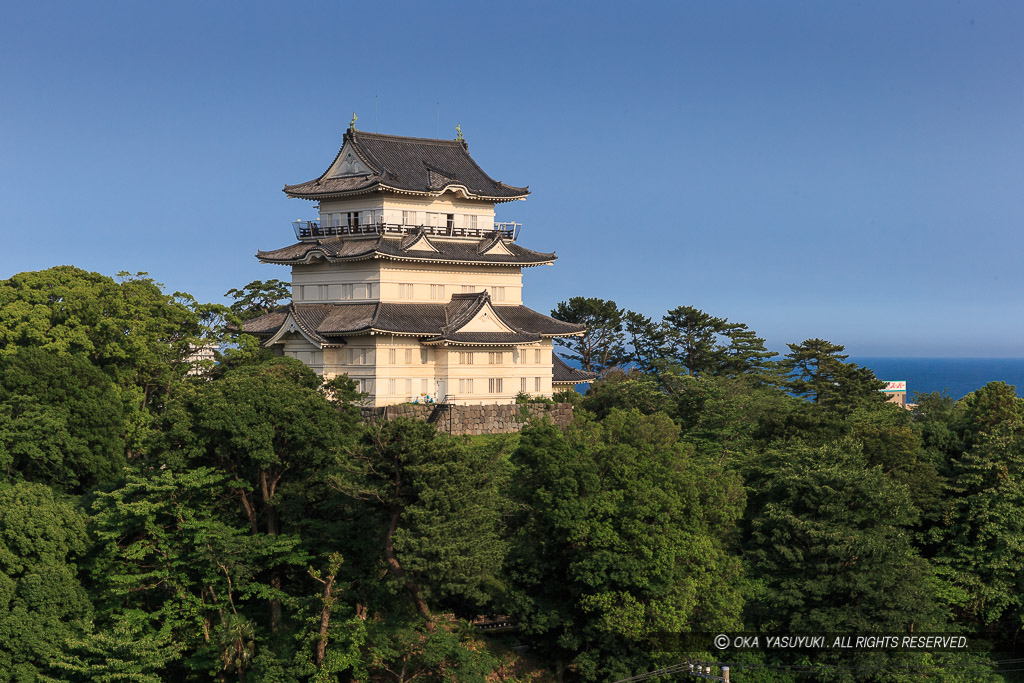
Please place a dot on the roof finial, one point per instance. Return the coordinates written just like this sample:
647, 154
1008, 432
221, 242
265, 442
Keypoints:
458, 129
352, 123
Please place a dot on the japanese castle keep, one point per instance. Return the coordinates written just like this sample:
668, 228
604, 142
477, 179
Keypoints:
407, 284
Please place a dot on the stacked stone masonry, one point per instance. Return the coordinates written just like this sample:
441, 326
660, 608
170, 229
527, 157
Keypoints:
480, 419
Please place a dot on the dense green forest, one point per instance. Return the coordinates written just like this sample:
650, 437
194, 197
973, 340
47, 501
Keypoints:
162, 521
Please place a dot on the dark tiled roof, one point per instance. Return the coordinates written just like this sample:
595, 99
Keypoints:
360, 248
266, 324
563, 373
492, 338
419, 165
528, 319
330, 322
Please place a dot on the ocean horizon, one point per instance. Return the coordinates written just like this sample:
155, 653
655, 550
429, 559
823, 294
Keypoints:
956, 377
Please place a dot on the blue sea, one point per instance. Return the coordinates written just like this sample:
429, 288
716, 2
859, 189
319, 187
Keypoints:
956, 376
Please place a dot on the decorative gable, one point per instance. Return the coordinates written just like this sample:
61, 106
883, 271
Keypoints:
348, 163
497, 248
485, 320
291, 326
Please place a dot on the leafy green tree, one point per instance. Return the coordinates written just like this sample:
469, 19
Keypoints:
41, 600
693, 336
142, 338
818, 372
617, 389
271, 429
979, 544
258, 297
619, 539
829, 547
601, 345
175, 566
745, 354
61, 420
435, 507
646, 341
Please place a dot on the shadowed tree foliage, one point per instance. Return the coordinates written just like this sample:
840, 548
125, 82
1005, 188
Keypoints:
979, 544
41, 601
618, 539
61, 420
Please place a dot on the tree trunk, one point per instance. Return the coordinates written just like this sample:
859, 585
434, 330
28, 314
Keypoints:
396, 569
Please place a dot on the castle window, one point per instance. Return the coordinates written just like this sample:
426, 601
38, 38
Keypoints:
467, 289
360, 357
450, 220
536, 383
405, 291
392, 358
347, 291
437, 291
494, 385
498, 293
496, 357
536, 356
391, 387
465, 357
409, 218
522, 385
471, 221
408, 357
465, 386
424, 359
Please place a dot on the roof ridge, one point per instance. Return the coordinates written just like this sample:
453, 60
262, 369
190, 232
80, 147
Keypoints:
440, 141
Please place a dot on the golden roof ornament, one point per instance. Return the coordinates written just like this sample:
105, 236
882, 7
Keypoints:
352, 123
458, 129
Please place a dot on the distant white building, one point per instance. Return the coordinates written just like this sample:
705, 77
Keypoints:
408, 285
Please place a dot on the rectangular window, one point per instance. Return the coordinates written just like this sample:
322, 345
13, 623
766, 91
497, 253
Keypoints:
360, 357
494, 385
408, 356
522, 384
424, 359
347, 291
497, 293
449, 220
408, 387
392, 358
465, 357
409, 218
465, 386
536, 356
404, 291
423, 386
536, 383
496, 357
471, 221
467, 289
391, 387
437, 291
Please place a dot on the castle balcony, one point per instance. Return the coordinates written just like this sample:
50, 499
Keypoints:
311, 230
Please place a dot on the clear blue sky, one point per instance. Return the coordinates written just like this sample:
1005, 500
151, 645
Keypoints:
851, 170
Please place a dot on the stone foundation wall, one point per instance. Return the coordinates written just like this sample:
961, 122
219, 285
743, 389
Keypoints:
486, 419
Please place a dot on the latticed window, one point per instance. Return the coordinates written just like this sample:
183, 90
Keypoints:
494, 385
496, 357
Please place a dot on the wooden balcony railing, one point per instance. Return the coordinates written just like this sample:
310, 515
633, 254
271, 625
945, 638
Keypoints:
306, 230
